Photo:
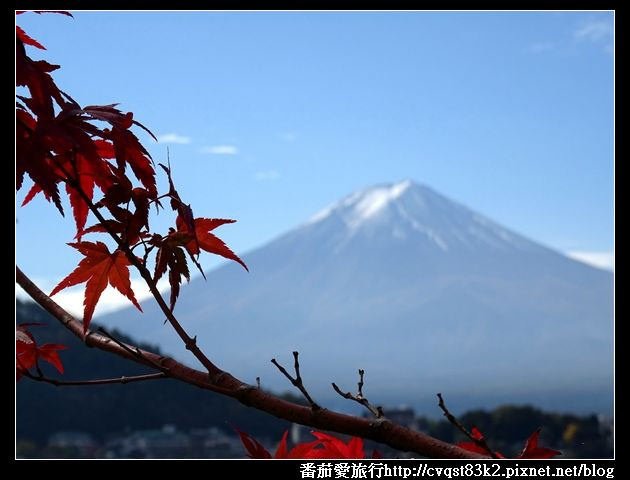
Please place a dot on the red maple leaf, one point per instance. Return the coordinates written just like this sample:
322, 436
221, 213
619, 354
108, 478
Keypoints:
34, 75
128, 224
130, 152
333, 447
33, 156
86, 182
48, 352
171, 256
301, 450
39, 12
476, 434
476, 445
325, 446
21, 34
282, 450
191, 234
256, 450
177, 269
304, 450
201, 238
532, 450
98, 268
88, 173
27, 352
253, 446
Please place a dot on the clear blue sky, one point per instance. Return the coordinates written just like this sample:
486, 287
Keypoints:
276, 115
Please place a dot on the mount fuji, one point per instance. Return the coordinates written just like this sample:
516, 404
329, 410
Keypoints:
423, 293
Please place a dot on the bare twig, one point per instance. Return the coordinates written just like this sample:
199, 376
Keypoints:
297, 381
100, 381
481, 442
135, 351
392, 434
359, 398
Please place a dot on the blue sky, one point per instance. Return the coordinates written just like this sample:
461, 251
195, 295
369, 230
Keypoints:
270, 116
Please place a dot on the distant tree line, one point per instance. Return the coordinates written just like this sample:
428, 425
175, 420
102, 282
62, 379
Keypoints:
116, 408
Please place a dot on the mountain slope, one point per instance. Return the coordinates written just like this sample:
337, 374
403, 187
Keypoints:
420, 291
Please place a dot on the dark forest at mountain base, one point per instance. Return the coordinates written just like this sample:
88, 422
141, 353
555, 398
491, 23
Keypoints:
166, 418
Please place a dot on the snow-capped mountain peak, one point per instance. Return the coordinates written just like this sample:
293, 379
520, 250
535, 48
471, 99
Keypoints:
369, 203
365, 204
408, 210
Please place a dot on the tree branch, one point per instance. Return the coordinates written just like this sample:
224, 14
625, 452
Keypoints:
481, 442
101, 381
297, 381
135, 352
381, 430
359, 398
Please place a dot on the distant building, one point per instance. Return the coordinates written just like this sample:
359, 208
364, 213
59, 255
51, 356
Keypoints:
404, 415
75, 444
215, 443
166, 442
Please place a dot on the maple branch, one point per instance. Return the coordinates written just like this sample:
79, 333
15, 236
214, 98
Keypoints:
359, 398
481, 442
136, 352
102, 381
380, 430
297, 381
189, 342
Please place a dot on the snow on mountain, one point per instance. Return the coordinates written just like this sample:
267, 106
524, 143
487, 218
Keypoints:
411, 210
363, 205
422, 292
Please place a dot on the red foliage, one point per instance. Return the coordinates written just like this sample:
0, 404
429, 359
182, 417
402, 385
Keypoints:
171, 256
21, 34
325, 446
89, 149
203, 239
253, 446
98, 268
27, 352
531, 449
